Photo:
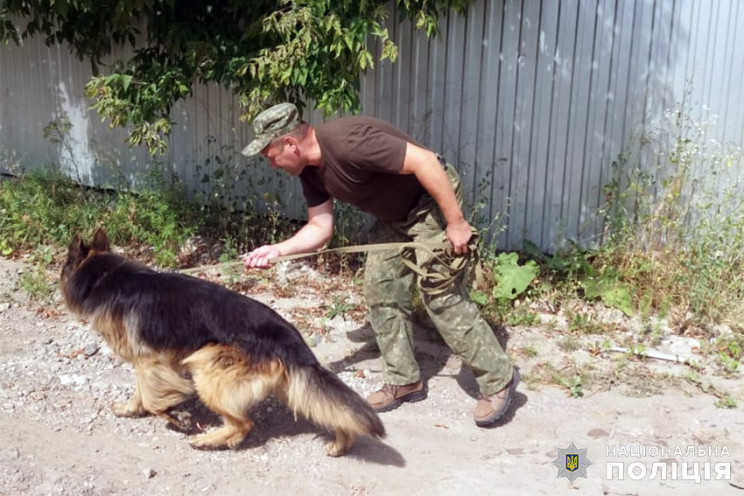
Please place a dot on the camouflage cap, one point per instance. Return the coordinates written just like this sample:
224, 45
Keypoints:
270, 124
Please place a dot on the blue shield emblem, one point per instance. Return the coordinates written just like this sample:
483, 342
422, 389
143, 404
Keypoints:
572, 462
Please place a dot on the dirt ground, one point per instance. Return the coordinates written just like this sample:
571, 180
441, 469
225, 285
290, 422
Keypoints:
58, 435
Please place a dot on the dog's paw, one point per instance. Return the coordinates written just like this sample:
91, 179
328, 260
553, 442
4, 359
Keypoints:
341, 445
127, 410
334, 449
207, 442
219, 439
199, 444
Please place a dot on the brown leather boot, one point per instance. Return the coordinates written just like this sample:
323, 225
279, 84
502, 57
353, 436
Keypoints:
390, 397
491, 408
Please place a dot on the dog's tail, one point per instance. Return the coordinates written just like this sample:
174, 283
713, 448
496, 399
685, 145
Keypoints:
322, 397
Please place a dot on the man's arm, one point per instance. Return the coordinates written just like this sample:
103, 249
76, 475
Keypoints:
425, 166
314, 234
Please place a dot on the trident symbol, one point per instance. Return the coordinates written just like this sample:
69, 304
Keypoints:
572, 462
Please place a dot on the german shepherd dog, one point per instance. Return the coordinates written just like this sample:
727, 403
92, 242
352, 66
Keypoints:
185, 335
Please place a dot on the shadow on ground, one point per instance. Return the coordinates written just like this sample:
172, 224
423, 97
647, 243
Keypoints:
274, 421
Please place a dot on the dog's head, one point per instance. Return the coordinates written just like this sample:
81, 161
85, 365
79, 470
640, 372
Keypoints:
78, 252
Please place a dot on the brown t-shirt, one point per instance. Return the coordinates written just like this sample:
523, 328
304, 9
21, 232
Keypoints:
361, 158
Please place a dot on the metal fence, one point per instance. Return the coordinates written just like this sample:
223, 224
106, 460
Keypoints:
532, 100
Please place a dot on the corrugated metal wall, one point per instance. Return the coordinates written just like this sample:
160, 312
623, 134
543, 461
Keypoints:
535, 100
532, 100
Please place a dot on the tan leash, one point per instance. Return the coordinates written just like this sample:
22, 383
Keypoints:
432, 283
343, 249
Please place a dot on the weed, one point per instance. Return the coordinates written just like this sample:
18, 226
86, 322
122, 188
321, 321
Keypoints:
44, 207
732, 346
521, 315
529, 351
36, 285
583, 323
5, 248
232, 273
674, 221
531, 382
654, 333
339, 308
595, 348
229, 250
57, 132
641, 351
673, 238
569, 343
505, 312
479, 297
726, 402
572, 384
577, 390
727, 365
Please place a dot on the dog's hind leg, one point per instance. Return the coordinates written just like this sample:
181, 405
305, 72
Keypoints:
231, 434
341, 445
229, 385
160, 387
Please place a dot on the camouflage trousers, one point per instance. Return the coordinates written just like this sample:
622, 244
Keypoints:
387, 286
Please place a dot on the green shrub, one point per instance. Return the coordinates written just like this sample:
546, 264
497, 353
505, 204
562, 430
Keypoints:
45, 207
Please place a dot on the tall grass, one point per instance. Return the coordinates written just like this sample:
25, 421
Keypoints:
47, 208
674, 222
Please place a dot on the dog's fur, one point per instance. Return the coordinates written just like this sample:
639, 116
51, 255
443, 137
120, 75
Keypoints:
185, 335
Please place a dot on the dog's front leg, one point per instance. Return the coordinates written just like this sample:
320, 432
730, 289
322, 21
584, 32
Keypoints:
159, 387
133, 407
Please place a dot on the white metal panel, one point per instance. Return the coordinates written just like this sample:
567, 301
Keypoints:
470, 52
484, 165
541, 187
506, 124
564, 110
523, 164
41, 85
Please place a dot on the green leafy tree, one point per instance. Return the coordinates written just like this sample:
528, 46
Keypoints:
263, 50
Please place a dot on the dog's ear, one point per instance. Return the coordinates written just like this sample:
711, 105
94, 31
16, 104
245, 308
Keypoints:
100, 241
76, 254
77, 250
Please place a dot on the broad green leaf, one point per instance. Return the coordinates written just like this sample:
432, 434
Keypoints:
513, 279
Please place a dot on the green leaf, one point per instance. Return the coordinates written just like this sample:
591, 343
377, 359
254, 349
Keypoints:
613, 292
479, 297
126, 80
513, 279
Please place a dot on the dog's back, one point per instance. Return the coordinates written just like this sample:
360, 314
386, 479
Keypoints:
174, 311
236, 349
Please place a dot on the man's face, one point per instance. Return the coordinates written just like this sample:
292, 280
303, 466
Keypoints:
283, 153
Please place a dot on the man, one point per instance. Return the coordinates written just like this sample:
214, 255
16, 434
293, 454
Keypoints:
414, 197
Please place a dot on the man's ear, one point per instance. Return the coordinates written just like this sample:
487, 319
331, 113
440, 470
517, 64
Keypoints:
291, 143
100, 241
